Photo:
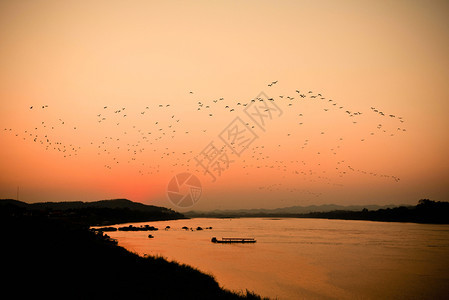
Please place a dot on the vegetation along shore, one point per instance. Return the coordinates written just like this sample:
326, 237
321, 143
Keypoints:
56, 256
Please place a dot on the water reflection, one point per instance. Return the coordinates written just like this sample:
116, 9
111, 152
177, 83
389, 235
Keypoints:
308, 258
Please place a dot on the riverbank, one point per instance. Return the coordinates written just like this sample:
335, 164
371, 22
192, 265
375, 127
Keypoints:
426, 212
299, 258
58, 259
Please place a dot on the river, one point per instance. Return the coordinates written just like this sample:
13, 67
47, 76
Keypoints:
307, 258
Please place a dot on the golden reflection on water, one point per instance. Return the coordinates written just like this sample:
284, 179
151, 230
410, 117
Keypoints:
308, 258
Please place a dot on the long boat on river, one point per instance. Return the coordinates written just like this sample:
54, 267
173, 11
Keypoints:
232, 240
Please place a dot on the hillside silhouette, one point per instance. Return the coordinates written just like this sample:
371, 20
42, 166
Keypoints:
55, 258
426, 211
104, 212
282, 211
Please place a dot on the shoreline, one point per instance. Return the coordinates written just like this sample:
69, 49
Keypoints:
426, 212
62, 258
272, 217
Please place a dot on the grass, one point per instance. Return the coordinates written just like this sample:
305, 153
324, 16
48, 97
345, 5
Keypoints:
56, 259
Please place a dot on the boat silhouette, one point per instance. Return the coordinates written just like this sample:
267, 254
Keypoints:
232, 240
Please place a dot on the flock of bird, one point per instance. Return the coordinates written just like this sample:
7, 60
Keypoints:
154, 136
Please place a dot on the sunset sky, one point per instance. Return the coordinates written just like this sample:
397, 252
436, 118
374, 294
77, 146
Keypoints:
111, 99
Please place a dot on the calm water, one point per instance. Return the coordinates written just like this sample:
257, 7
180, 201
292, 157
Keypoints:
309, 258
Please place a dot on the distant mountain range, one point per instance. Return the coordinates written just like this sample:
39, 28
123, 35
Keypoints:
291, 210
92, 213
114, 203
427, 211
107, 212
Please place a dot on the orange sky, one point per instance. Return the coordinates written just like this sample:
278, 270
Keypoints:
76, 57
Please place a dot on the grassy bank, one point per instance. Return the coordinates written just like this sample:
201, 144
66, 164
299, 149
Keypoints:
52, 258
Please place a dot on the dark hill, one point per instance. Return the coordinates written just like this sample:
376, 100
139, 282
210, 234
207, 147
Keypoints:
427, 211
283, 211
113, 203
8, 202
44, 257
104, 212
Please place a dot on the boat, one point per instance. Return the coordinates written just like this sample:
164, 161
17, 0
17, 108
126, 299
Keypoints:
232, 240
